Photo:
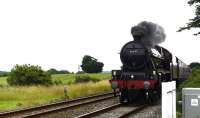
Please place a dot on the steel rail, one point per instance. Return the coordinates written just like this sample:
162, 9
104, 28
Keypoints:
46, 112
107, 109
94, 113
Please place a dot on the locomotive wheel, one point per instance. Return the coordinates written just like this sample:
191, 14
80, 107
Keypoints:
153, 97
123, 96
132, 95
121, 99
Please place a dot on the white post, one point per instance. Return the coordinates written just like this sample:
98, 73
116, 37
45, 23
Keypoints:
169, 99
174, 98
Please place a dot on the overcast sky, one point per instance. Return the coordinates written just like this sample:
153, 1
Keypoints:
58, 33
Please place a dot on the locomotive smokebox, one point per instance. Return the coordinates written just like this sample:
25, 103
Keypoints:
132, 55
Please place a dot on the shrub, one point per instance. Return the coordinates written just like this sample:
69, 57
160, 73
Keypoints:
28, 75
194, 64
193, 80
57, 82
85, 78
54, 71
3, 74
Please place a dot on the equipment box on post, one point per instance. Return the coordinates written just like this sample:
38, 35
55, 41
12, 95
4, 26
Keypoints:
191, 102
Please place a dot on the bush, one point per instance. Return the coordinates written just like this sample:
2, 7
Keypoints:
3, 74
85, 78
193, 80
194, 64
54, 71
57, 82
28, 75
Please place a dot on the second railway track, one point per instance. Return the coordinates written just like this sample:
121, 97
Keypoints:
55, 107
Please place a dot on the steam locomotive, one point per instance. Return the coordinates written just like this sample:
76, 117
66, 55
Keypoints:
144, 69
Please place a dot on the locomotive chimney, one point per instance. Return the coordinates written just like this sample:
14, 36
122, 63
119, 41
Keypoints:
137, 33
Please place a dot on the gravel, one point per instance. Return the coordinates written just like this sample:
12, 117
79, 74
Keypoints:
153, 111
117, 112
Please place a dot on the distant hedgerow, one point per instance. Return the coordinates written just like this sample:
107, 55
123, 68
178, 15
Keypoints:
85, 78
28, 74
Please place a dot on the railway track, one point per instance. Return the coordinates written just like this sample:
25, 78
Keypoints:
114, 111
55, 107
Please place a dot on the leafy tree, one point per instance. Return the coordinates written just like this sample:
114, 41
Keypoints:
91, 65
194, 64
28, 75
194, 22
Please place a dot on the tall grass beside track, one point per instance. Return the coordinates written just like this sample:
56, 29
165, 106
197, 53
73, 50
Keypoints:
15, 97
19, 97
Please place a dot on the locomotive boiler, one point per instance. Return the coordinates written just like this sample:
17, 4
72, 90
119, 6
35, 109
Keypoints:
143, 69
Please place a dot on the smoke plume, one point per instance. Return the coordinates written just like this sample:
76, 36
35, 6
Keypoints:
150, 34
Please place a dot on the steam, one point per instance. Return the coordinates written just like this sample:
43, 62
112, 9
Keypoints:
150, 34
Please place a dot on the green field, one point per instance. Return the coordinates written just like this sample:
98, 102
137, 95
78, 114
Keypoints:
19, 97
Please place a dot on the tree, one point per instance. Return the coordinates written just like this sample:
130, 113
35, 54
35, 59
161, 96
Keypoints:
194, 22
91, 65
28, 75
194, 64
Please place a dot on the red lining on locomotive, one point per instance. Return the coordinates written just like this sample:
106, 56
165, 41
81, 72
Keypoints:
134, 84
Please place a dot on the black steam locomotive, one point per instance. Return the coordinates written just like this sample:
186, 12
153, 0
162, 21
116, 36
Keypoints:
143, 69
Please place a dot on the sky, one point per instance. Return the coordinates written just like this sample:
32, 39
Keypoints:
58, 33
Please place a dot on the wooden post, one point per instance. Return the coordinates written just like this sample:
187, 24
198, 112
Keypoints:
65, 93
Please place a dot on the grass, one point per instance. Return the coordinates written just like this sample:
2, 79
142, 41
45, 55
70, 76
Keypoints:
3, 81
19, 97
64, 78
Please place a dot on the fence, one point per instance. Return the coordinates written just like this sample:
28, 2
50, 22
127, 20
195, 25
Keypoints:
169, 99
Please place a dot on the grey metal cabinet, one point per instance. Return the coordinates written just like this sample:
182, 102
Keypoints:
191, 102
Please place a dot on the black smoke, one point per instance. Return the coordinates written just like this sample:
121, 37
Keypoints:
150, 34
